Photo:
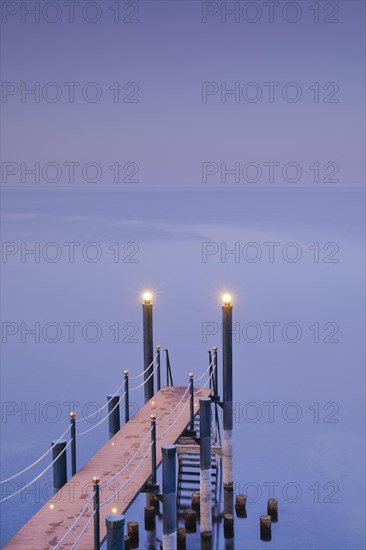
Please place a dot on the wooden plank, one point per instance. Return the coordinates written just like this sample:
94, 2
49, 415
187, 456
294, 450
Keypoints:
47, 526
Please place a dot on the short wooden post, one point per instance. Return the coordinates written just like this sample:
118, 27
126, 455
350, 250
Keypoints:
115, 532
196, 501
73, 442
265, 527
181, 537
133, 533
127, 542
127, 397
149, 517
190, 518
240, 505
205, 467
59, 464
153, 500
169, 498
272, 508
228, 526
96, 480
113, 411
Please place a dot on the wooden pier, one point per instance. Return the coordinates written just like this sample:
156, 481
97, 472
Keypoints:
49, 525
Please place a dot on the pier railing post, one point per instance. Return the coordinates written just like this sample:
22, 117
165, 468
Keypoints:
113, 411
191, 401
147, 311
73, 442
158, 371
205, 467
227, 350
153, 448
215, 376
210, 370
115, 532
127, 398
169, 498
59, 464
96, 480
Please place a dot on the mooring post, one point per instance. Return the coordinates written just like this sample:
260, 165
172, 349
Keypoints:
113, 411
127, 398
115, 532
59, 464
215, 376
158, 371
73, 442
227, 351
191, 401
205, 466
169, 498
147, 311
153, 448
96, 480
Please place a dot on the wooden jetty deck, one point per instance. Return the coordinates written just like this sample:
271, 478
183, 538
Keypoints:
49, 524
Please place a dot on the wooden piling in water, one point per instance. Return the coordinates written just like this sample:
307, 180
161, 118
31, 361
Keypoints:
190, 519
265, 528
149, 517
196, 500
181, 538
272, 508
133, 533
228, 526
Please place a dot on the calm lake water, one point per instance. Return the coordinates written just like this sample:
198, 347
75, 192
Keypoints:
295, 271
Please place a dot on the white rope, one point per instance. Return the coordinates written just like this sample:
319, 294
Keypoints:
129, 462
143, 372
208, 368
36, 478
144, 382
83, 531
176, 420
36, 461
125, 483
75, 522
177, 405
103, 419
208, 380
101, 408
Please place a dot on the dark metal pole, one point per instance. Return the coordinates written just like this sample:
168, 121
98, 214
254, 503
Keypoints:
148, 347
96, 480
169, 498
73, 442
115, 532
191, 401
210, 370
158, 375
113, 411
205, 466
127, 398
216, 377
153, 448
227, 356
59, 465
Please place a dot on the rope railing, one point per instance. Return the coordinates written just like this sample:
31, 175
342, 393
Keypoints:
83, 531
144, 382
37, 477
125, 483
76, 521
36, 461
128, 463
143, 372
103, 419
